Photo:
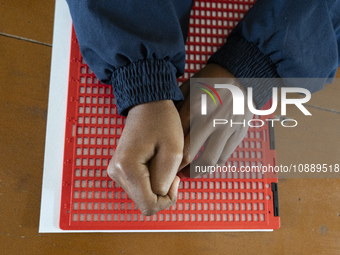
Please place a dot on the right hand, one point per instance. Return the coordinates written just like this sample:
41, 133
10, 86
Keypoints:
219, 142
148, 156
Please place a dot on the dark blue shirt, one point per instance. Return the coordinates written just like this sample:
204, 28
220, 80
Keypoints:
138, 46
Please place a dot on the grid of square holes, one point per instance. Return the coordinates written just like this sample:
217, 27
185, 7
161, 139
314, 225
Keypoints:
210, 23
91, 200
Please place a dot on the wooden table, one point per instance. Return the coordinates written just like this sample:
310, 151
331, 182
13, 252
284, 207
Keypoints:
309, 208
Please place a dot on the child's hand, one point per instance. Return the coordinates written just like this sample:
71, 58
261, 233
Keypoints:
148, 156
220, 142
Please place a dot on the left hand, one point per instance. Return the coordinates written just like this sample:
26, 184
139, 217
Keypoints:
148, 155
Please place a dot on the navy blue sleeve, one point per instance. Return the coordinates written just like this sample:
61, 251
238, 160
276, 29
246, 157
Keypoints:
136, 46
287, 39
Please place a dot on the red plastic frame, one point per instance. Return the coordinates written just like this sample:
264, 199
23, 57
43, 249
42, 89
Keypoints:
90, 199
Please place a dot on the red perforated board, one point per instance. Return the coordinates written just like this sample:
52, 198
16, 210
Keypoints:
91, 200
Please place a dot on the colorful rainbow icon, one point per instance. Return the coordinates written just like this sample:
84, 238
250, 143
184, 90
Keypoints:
209, 93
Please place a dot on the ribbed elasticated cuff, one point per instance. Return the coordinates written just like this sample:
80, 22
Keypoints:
145, 81
244, 60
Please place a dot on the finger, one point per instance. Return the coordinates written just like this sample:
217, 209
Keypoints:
197, 138
135, 180
211, 153
113, 173
171, 198
174, 188
138, 188
231, 145
148, 202
163, 169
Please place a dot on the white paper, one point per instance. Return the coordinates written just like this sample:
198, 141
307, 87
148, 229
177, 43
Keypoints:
55, 131
56, 118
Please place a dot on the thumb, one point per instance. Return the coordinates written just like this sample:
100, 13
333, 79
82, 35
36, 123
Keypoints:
171, 198
163, 169
174, 189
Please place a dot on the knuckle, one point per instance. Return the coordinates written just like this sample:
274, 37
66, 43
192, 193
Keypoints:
160, 190
111, 170
122, 164
176, 155
118, 166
